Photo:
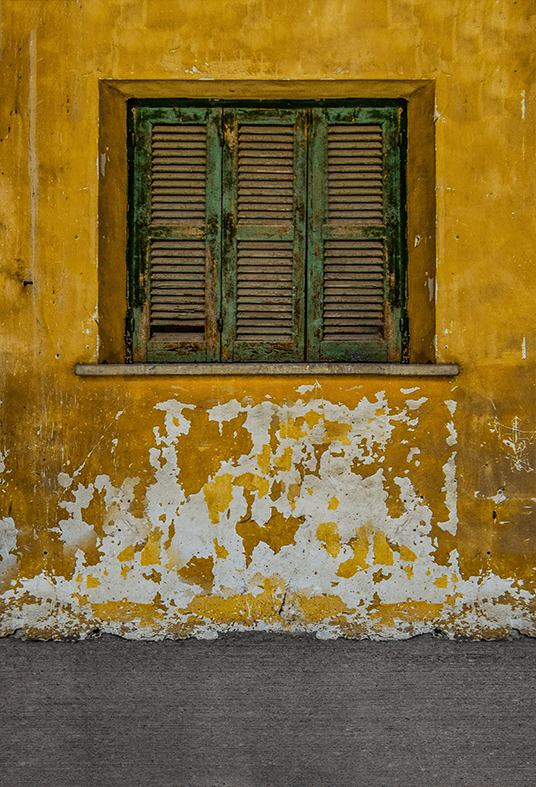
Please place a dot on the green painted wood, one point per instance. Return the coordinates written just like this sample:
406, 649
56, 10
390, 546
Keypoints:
149, 343
329, 237
275, 251
264, 243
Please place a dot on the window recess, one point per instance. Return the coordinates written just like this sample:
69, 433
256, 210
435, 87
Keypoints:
267, 234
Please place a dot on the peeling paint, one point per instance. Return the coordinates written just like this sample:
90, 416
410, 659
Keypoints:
325, 457
367, 507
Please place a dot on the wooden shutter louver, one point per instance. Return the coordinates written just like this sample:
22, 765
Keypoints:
179, 158
177, 267
353, 303
355, 174
264, 267
355, 236
177, 287
266, 252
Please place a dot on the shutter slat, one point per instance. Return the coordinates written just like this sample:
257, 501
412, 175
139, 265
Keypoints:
247, 307
167, 128
163, 175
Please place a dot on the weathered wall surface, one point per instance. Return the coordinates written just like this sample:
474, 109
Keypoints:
354, 506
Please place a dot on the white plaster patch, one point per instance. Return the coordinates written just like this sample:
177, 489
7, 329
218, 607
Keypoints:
175, 422
499, 498
412, 453
8, 542
452, 439
64, 480
451, 495
452, 405
414, 404
74, 530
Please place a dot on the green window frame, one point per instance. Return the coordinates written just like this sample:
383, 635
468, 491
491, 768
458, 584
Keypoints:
266, 231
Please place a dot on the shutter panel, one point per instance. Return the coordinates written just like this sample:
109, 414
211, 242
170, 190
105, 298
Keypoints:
177, 220
355, 278
264, 235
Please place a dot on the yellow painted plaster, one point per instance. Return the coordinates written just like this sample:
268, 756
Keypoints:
347, 506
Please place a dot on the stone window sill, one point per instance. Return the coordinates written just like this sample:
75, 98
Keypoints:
254, 369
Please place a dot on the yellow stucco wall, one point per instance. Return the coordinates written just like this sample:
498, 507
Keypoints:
355, 506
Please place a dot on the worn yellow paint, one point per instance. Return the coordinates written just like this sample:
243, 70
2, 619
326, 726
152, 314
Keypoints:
263, 459
406, 553
218, 494
321, 609
336, 432
220, 550
383, 554
252, 482
294, 490
124, 611
278, 532
360, 546
327, 533
154, 575
291, 429
150, 553
408, 610
199, 571
312, 418
283, 462
245, 608
127, 553
216, 491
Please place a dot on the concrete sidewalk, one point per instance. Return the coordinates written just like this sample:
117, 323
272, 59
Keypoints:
267, 711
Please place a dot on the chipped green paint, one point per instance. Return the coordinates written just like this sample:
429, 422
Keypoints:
306, 230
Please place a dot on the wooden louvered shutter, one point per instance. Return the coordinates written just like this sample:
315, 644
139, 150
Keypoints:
175, 234
355, 277
264, 189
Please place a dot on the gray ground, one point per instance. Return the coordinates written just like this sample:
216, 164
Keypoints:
254, 711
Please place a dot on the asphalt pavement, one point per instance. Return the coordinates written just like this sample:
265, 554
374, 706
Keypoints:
268, 711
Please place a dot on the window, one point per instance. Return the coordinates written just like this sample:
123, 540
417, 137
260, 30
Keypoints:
266, 232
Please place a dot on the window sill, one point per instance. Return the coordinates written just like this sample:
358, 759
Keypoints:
201, 369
